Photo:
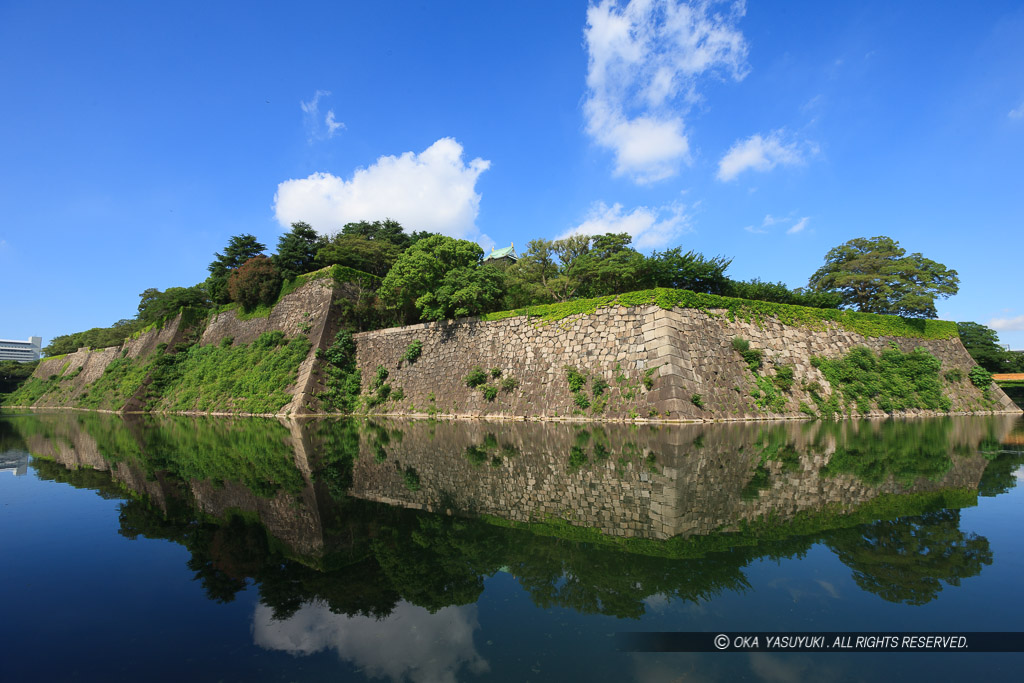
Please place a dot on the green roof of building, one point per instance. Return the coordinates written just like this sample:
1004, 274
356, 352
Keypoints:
502, 253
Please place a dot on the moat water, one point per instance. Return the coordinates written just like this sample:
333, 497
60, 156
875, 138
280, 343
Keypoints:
351, 550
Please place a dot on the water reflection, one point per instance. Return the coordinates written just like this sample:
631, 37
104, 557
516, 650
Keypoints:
341, 523
412, 644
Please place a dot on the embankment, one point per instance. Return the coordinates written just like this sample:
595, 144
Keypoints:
658, 354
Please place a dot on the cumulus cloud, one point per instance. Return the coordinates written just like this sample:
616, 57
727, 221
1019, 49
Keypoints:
649, 227
760, 154
411, 643
645, 59
1007, 324
315, 130
434, 190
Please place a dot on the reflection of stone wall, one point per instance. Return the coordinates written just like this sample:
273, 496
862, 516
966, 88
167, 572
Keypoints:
694, 486
691, 350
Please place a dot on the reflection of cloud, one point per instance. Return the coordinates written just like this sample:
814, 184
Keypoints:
410, 644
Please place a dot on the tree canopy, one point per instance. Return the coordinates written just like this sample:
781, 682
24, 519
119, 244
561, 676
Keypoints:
983, 345
875, 275
297, 251
240, 249
255, 282
441, 277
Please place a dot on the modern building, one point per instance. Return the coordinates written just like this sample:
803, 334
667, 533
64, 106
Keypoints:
24, 351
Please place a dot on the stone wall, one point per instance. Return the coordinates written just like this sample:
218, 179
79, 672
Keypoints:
687, 354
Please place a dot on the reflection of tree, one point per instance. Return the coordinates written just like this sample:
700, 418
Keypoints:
999, 473
437, 561
907, 560
905, 451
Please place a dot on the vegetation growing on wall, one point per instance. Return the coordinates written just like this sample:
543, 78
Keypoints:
867, 324
248, 378
343, 378
892, 381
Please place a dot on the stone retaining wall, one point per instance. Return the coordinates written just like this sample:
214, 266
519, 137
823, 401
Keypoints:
685, 354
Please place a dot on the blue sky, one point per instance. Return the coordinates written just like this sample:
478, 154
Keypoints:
136, 138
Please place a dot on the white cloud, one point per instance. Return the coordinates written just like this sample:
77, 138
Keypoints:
1017, 113
644, 62
760, 154
410, 643
311, 117
649, 227
1007, 324
433, 190
798, 226
770, 221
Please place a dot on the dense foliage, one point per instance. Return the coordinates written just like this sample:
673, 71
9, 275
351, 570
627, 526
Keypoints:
876, 275
256, 282
891, 381
983, 344
13, 373
240, 249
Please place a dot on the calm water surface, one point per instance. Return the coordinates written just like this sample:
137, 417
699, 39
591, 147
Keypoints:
218, 549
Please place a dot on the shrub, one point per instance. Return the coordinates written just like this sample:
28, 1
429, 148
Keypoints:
378, 380
495, 373
509, 384
576, 379
954, 375
740, 345
581, 400
980, 377
490, 392
783, 377
411, 479
256, 282
649, 378
476, 377
697, 400
598, 386
752, 357
413, 351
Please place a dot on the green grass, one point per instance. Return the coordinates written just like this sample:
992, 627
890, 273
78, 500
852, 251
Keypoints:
867, 324
246, 378
119, 381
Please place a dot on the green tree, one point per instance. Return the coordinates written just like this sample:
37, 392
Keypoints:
876, 275
255, 282
155, 305
531, 279
374, 256
441, 277
13, 373
983, 345
240, 249
386, 230
297, 251
692, 271
608, 265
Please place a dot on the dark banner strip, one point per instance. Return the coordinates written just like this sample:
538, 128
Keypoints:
818, 641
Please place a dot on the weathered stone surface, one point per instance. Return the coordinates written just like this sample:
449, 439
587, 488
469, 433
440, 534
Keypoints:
690, 352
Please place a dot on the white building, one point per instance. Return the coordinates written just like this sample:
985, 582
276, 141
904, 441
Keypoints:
24, 351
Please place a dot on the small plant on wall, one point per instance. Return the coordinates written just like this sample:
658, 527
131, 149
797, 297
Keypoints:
413, 351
